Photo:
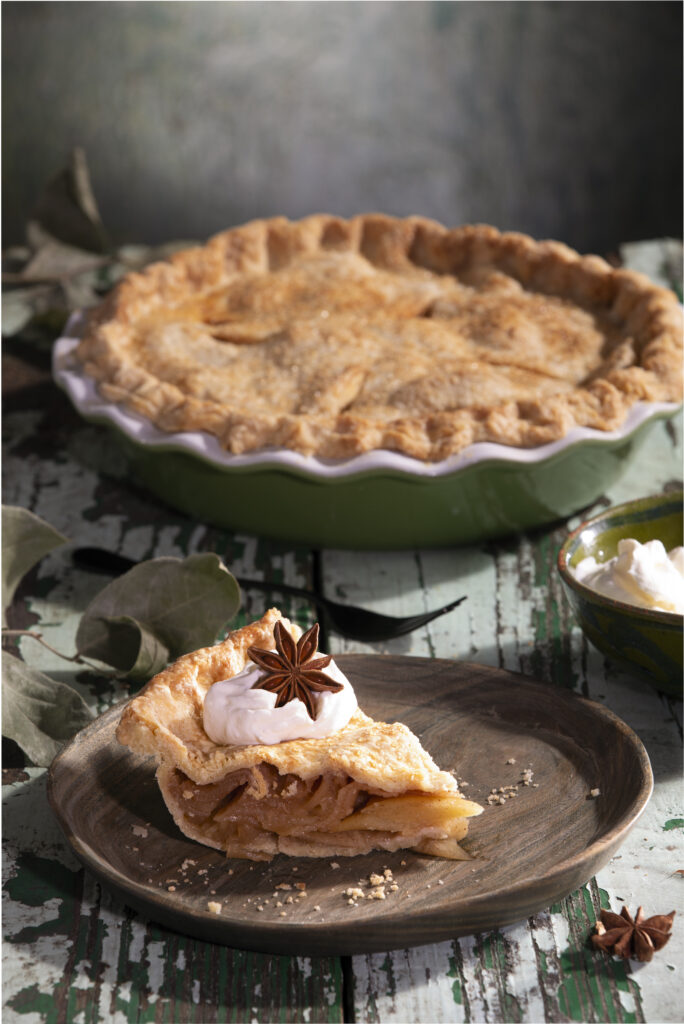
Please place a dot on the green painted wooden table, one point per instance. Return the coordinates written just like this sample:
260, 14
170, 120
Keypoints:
73, 952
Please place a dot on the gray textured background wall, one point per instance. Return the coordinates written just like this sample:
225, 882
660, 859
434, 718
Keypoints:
562, 119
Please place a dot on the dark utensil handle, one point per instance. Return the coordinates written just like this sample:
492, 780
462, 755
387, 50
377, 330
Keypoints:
111, 562
101, 560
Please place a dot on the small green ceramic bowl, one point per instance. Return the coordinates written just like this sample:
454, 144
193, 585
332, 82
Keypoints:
645, 642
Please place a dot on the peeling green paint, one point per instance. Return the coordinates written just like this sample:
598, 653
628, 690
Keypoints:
592, 981
673, 823
456, 984
32, 1001
37, 881
487, 950
604, 899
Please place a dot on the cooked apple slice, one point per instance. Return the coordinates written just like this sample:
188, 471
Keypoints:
449, 849
412, 812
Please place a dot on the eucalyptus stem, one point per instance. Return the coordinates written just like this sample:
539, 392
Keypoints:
74, 658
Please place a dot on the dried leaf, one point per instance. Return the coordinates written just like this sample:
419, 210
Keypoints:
67, 208
159, 609
55, 277
26, 538
39, 714
133, 649
20, 305
69, 261
53, 260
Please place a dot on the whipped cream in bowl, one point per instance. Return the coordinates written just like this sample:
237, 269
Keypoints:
238, 711
622, 573
644, 575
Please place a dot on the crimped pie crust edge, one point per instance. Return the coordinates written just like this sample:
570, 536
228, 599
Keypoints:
650, 315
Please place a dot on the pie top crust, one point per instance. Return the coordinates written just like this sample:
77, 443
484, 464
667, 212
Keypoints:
335, 337
165, 719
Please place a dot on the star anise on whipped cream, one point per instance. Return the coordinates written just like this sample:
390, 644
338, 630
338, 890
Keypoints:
632, 938
292, 670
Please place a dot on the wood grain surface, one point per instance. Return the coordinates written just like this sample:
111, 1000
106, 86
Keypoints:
581, 779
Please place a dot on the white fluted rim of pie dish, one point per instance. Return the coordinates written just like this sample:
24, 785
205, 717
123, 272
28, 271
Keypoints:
82, 391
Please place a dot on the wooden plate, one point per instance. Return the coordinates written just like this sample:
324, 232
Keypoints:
486, 725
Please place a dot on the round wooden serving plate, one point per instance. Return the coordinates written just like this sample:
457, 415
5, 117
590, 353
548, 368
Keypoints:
486, 725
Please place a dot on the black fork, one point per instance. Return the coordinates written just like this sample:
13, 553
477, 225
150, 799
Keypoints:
346, 619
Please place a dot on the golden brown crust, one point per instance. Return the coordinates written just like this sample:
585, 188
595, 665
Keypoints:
165, 719
335, 337
258, 800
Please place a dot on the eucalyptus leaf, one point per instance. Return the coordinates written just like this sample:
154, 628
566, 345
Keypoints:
56, 261
175, 605
26, 538
131, 647
14, 257
23, 306
19, 307
67, 208
39, 714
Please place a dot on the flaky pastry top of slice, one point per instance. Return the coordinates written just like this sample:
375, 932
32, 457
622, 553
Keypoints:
165, 720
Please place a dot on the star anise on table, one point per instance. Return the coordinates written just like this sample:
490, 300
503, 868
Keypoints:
632, 938
292, 670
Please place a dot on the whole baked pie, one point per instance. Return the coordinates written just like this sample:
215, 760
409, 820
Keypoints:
367, 786
335, 337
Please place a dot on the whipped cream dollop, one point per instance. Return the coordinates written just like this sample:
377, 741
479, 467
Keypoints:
235, 713
645, 575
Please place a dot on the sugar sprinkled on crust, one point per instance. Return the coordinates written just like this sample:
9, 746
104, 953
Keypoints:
418, 338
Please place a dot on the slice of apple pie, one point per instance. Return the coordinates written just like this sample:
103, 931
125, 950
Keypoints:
363, 786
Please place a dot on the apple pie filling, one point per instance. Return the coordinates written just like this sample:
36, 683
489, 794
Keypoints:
257, 807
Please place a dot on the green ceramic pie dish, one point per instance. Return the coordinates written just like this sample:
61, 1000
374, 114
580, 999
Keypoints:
384, 509
646, 642
379, 500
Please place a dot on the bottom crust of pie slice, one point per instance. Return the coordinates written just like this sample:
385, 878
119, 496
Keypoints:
256, 813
